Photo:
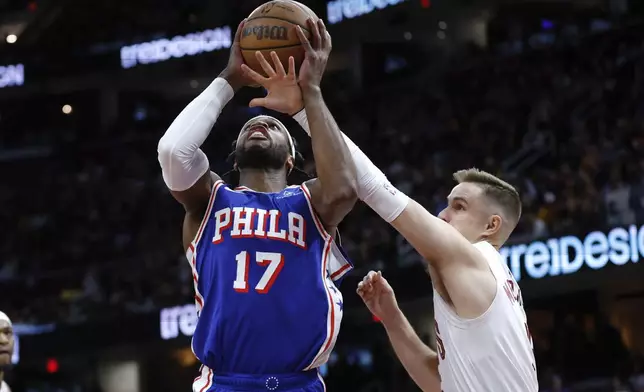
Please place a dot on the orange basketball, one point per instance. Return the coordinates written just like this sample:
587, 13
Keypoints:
271, 27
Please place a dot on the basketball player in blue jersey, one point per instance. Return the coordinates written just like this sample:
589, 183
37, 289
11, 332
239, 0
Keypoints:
263, 257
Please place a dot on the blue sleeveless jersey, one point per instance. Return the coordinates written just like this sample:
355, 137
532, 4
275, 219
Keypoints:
265, 273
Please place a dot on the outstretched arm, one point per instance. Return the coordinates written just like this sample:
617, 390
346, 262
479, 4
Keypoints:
373, 186
454, 262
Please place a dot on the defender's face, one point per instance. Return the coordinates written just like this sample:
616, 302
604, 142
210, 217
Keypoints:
6, 343
466, 211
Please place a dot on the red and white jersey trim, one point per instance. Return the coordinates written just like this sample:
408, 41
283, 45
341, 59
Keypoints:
334, 296
204, 381
191, 253
337, 265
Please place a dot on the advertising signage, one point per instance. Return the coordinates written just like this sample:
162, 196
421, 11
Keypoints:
12, 75
176, 47
338, 10
568, 254
178, 321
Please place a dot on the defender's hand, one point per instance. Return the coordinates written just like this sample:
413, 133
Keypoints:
316, 54
378, 295
284, 94
233, 72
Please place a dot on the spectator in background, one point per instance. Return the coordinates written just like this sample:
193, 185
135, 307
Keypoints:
617, 200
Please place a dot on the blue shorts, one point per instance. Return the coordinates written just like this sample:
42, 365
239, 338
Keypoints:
208, 381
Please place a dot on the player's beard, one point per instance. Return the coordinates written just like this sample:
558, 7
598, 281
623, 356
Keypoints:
5, 364
261, 158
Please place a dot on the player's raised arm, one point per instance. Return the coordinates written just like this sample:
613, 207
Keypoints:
334, 192
184, 165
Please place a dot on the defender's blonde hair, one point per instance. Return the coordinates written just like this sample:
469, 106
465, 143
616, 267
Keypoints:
494, 188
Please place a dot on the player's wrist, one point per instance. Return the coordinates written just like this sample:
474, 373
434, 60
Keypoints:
296, 111
310, 90
219, 91
392, 319
234, 80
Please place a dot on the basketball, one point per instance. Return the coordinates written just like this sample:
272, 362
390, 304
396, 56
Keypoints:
271, 27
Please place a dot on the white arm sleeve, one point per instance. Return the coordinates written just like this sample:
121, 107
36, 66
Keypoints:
373, 186
182, 161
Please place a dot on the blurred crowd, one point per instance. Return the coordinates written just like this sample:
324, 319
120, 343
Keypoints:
91, 231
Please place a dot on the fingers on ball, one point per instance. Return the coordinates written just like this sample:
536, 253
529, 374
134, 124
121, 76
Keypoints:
279, 67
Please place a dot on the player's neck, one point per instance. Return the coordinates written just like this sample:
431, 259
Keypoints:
1, 376
263, 180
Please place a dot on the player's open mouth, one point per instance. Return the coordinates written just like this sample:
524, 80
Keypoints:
257, 133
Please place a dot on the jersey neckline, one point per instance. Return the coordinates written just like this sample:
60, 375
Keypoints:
247, 189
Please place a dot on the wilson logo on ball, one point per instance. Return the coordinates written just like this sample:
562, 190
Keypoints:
279, 33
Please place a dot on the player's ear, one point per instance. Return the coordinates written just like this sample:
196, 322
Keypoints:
492, 226
290, 164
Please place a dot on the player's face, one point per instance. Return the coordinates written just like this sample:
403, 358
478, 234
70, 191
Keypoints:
6, 343
262, 144
466, 211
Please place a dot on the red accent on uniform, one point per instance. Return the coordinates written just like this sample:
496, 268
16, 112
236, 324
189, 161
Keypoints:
327, 250
340, 271
208, 381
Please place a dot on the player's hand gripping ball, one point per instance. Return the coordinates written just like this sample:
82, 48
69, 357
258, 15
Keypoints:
271, 28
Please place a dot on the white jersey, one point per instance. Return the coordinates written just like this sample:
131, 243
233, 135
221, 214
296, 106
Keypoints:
4, 387
492, 352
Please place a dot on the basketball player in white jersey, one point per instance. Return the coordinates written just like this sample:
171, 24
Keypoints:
6, 348
482, 335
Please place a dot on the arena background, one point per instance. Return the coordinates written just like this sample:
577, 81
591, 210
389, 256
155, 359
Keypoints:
548, 94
